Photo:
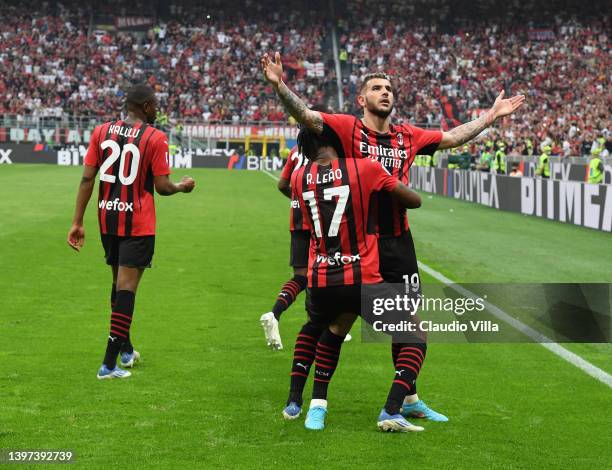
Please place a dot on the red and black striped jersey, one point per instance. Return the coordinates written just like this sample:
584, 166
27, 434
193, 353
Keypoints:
295, 161
335, 199
128, 156
395, 151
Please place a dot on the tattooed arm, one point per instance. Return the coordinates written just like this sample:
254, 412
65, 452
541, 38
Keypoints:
273, 72
466, 132
76, 235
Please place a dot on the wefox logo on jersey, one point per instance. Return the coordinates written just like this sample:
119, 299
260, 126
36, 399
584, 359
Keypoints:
337, 259
116, 205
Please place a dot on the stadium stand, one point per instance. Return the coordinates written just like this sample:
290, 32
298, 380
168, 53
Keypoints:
448, 60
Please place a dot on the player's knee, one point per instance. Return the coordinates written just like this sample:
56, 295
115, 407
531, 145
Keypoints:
126, 286
342, 325
127, 283
300, 272
313, 329
128, 278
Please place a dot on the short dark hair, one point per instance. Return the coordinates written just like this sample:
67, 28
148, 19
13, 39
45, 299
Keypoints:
137, 95
369, 76
309, 143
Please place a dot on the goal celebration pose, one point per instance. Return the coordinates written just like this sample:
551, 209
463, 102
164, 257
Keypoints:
335, 197
375, 137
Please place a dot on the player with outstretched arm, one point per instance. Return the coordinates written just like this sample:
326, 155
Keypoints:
374, 136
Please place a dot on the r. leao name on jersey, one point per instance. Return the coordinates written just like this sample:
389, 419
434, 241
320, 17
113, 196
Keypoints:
327, 177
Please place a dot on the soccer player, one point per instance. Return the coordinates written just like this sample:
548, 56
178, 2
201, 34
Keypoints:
374, 136
298, 256
131, 156
334, 196
298, 252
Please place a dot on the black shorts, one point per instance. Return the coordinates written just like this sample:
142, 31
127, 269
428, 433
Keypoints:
131, 252
324, 304
300, 245
397, 258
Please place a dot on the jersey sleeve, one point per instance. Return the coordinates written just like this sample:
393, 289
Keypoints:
293, 182
426, 141
377, 176
92, 157
159, 159
296, 194
289, 165
338, 129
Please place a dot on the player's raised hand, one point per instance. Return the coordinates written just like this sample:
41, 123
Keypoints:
76, 237
503, 107
273, 70
188, 183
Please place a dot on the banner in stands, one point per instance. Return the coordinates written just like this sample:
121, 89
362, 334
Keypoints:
72, 155
540, 34
219, 131
65, 135
579, 203
134, 22
314, 69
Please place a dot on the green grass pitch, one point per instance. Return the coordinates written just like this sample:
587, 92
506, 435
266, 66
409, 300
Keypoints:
209, 394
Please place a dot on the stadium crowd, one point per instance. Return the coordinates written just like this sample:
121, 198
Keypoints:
203, 65
203, 62
562, 65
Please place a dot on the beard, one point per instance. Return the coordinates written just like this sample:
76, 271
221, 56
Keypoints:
381, 113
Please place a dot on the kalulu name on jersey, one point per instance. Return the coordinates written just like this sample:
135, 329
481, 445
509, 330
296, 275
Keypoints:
128, 132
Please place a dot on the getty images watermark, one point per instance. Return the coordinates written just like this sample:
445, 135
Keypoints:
480, 312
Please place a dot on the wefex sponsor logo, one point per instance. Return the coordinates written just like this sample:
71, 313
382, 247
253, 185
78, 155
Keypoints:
337, 259
116, 205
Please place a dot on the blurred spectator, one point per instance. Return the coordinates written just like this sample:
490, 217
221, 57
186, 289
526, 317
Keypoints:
515, 170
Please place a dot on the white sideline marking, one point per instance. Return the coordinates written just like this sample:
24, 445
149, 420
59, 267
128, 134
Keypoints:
543, 340
276, 178
538, 337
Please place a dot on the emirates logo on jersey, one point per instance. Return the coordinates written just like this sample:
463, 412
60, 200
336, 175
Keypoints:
380, 151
